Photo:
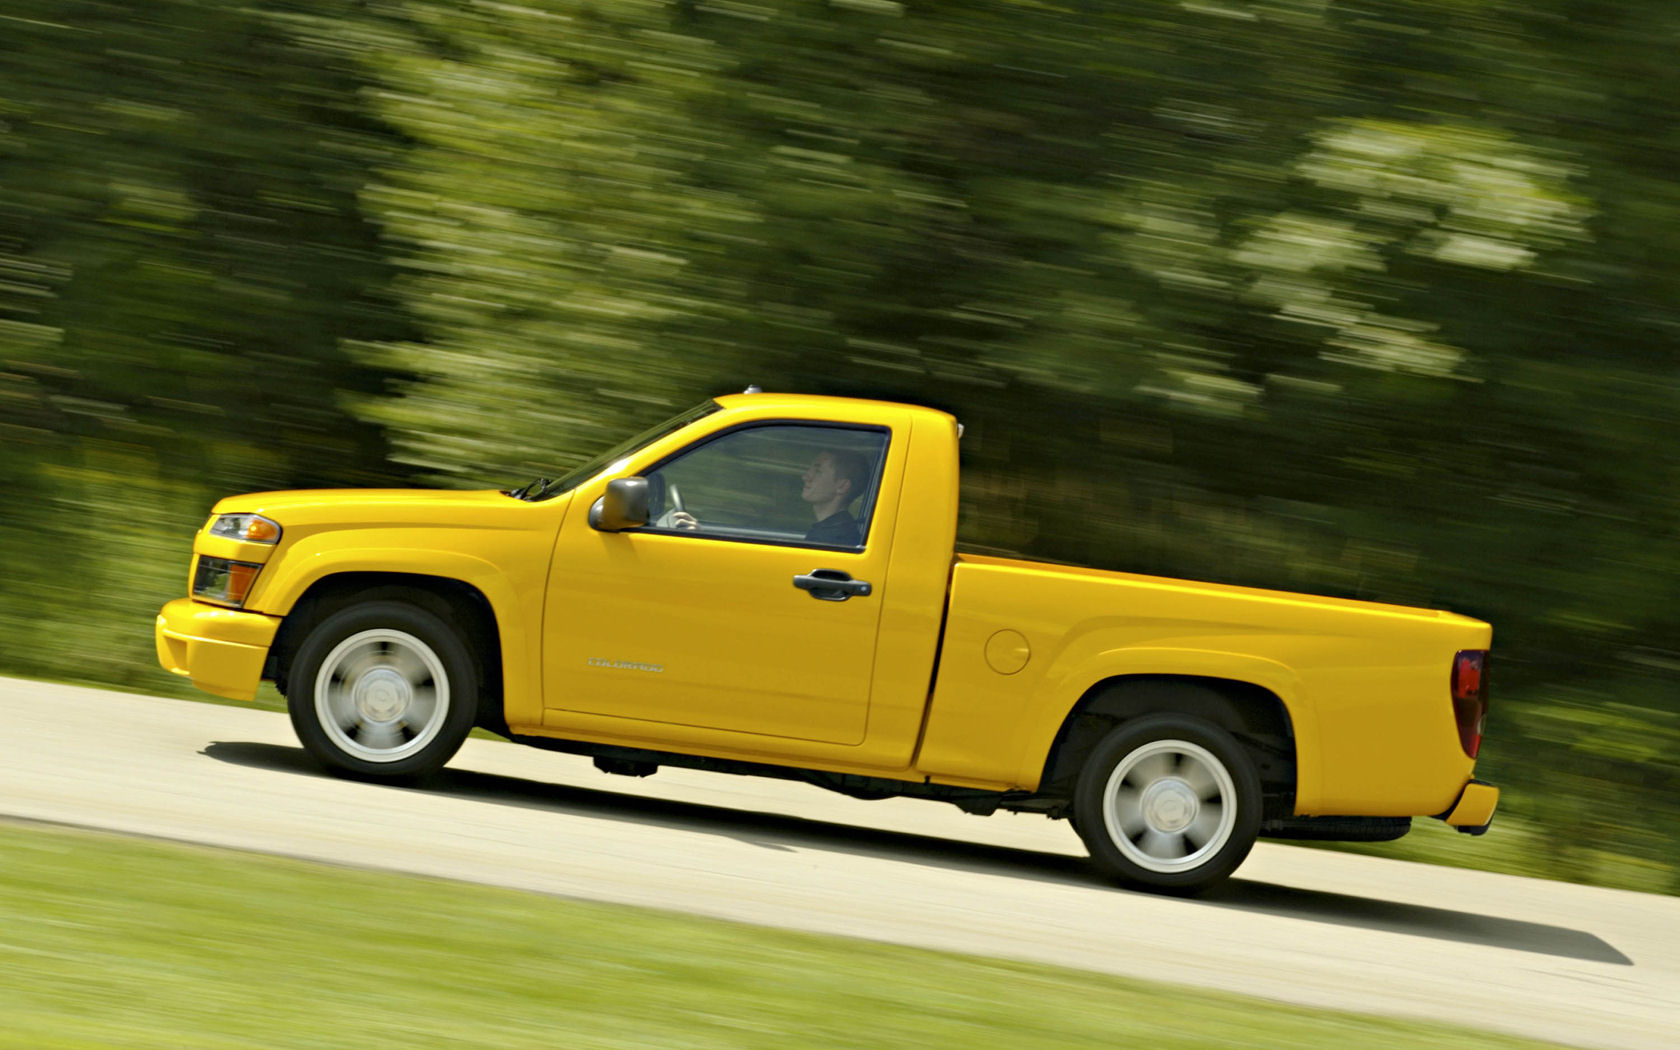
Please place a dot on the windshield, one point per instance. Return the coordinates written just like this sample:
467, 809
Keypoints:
617, 452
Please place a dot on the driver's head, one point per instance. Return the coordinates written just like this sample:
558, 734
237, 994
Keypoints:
834, 479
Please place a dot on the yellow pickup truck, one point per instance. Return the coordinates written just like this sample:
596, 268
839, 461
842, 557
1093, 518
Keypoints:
767, 584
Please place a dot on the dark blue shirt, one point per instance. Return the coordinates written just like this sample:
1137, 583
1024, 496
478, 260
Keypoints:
838, 529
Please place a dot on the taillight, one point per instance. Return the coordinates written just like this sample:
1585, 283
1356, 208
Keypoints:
1470, 697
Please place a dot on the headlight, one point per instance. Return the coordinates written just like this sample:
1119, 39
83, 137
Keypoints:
222, 581
251, 528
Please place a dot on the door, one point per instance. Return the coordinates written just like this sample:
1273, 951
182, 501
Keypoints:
748, 604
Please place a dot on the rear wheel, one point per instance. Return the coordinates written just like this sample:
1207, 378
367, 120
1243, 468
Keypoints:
1168, 803
383, 690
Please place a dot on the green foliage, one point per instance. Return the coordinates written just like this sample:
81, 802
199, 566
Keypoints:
1374, 300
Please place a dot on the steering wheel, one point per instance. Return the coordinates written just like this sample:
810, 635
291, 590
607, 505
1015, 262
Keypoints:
673, 507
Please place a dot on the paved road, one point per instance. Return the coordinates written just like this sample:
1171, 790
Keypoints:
1586, 966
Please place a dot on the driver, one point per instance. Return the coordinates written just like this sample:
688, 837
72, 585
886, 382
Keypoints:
833, 480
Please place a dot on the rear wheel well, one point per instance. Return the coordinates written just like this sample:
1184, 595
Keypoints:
1251, 713
459, 604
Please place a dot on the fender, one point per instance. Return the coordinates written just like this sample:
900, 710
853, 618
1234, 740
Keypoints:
1079, 669
302, 567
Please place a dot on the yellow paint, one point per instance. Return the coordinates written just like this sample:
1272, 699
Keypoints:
221, 650
1475, 807
1365, 685
751, 667
703, 645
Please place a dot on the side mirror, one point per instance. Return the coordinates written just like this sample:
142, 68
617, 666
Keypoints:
624, 506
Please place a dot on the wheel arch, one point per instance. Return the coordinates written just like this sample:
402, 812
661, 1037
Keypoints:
1257, 716
455, 601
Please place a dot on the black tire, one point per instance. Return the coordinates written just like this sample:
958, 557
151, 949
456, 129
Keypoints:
1168, 803
383, 690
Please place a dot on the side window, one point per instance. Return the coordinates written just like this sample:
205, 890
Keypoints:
779, 483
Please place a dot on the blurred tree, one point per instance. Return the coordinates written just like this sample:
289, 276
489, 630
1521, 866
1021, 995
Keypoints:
184, 236
182, 254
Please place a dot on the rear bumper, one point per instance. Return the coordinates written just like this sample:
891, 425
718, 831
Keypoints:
221, 650
1473, 811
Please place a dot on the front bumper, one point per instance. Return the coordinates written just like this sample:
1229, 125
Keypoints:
221, 650
1473, 811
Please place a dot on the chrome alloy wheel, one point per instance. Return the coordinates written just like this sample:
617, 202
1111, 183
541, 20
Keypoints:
381, 695
1169, 806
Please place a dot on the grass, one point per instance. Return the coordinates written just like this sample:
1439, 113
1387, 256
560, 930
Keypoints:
107, 941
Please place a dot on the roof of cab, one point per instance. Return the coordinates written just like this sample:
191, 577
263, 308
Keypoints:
795, 403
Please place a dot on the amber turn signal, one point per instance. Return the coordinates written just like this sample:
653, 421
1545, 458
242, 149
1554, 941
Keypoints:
251, 528
222, 581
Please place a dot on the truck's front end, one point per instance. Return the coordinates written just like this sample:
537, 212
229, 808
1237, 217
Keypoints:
209, 636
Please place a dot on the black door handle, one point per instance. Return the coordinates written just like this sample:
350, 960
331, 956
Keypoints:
831, 585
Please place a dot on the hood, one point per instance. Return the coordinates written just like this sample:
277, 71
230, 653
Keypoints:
396, 508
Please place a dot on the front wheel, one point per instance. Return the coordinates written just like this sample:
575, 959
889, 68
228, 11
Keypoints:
1168, 803
383, 690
